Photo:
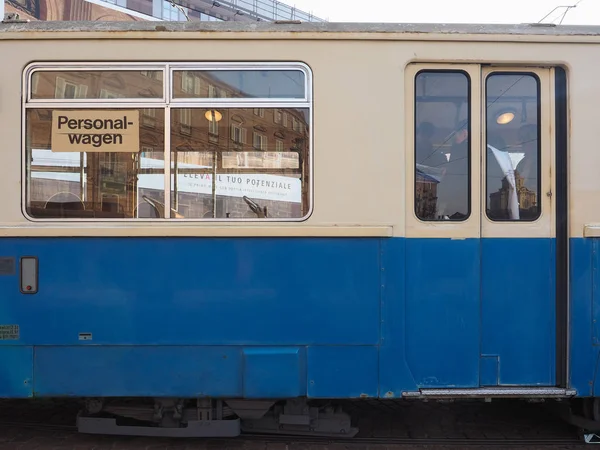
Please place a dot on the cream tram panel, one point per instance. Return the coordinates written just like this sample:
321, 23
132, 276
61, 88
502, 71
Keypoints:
352, 114
345, 182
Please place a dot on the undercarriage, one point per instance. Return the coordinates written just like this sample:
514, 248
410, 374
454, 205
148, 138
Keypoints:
213, 418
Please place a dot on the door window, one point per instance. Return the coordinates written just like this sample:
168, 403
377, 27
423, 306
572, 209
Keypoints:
512, 147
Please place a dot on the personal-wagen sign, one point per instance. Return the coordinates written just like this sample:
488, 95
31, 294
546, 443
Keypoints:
95, 131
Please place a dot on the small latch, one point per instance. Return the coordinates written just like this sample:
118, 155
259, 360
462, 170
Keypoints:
549, 194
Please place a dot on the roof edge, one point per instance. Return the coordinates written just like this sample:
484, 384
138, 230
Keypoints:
9, 30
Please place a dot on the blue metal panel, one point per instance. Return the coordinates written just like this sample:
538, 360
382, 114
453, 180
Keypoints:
274, 373
582, 358
595, 291
342, 372
198, 291
594, 246
16, 360
395, 376
518, 309
442, 312
112, 371
16, 372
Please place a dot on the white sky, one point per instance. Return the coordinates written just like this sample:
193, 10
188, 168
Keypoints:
587, 12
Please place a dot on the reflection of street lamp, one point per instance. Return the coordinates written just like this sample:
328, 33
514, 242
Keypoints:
213, 115
505, 116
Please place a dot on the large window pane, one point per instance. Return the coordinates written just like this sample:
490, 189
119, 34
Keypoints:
288, 84
442, 146
99, 84
513, 147
108, 163
239, 163
87, 181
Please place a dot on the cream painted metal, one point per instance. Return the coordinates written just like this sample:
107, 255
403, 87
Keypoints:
362, 148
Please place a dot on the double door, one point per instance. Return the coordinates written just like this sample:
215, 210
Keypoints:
481, 226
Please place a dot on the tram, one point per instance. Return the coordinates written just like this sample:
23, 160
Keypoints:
239, 227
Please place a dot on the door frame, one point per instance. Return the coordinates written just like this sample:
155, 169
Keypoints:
545, 225
557, 115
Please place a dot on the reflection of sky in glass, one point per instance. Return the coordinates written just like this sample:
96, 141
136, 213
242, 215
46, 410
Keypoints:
262, 83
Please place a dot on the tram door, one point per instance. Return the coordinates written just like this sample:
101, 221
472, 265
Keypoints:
518, 265
480, 249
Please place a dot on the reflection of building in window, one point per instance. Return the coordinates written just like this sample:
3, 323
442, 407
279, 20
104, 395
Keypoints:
105, 93
425, 196
148, 117
153, 74
190, 83
513, 116
213, 130
238, 134
68, 89
260, 141
278, 116
112, 184
185, 116
499, 201
442, 145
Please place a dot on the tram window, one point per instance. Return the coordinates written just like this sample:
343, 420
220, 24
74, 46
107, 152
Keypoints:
70, 183
231, 165
442, 146
97, 84
513, 147
96, 143
284, 84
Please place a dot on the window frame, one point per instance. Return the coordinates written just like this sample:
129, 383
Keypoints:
258, 102
166, 103
485, 192
93, 67
469, 146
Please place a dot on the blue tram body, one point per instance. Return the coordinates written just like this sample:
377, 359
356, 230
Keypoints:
219, 318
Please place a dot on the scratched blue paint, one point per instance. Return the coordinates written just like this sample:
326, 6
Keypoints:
193, 291
342, 372
489, 370
395, 376
119, 371
595, 313
334, 317
518, 309
595, 291
274, 373
16, 371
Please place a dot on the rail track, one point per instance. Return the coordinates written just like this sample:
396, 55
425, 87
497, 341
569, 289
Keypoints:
321, 441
